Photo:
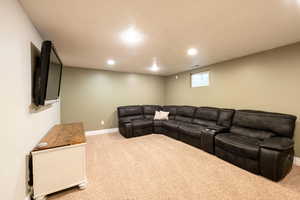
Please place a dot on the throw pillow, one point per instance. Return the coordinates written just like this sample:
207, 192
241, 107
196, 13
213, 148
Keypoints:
164, 115
157, 115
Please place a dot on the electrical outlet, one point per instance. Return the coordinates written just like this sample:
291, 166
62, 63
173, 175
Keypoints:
102, 122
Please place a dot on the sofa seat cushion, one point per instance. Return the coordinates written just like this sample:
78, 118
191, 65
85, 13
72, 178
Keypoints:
202, 122
158, 123
142, 123
191, 129
170, 124
238, 144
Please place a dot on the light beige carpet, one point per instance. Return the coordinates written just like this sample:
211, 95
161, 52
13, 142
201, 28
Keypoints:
156, 167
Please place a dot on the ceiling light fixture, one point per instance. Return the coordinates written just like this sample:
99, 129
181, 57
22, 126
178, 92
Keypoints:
192, 51
110, 62
154, 67
131, 36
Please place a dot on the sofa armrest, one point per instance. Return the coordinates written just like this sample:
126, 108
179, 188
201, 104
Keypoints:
276, 157
208, 137
278, 143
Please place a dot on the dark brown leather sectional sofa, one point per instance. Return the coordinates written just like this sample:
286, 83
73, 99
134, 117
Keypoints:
260, 142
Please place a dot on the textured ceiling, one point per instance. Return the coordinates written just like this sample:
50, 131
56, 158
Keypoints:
87, 32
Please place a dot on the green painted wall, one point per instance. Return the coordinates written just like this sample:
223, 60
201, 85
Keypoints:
90, 96
267, 81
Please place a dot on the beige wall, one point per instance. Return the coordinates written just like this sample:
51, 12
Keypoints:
93, 95
20, 129
267, 81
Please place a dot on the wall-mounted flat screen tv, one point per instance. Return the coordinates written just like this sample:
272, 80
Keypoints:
47, 76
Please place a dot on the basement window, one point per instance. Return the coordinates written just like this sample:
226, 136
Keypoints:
200, 79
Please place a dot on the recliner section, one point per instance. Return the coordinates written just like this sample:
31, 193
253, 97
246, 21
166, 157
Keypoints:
257, 141
184, 116
126, 115
204, 117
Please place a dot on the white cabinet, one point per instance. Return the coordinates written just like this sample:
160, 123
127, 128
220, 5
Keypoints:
59, 167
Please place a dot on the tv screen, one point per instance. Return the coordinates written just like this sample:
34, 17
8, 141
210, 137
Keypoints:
47, 75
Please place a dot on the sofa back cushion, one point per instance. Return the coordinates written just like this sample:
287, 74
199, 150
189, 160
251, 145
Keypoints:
206, 116
225, 117
250, 132
261, 125
149, 111
171, 109
185, 113
128, 113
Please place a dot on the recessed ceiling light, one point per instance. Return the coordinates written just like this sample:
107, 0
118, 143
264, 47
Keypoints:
110, 62
154, 67
131, 36
192, 51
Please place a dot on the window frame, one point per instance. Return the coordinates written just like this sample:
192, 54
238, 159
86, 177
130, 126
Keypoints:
201, 72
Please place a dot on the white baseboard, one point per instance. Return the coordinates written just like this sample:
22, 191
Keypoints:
297, 161
103, 131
